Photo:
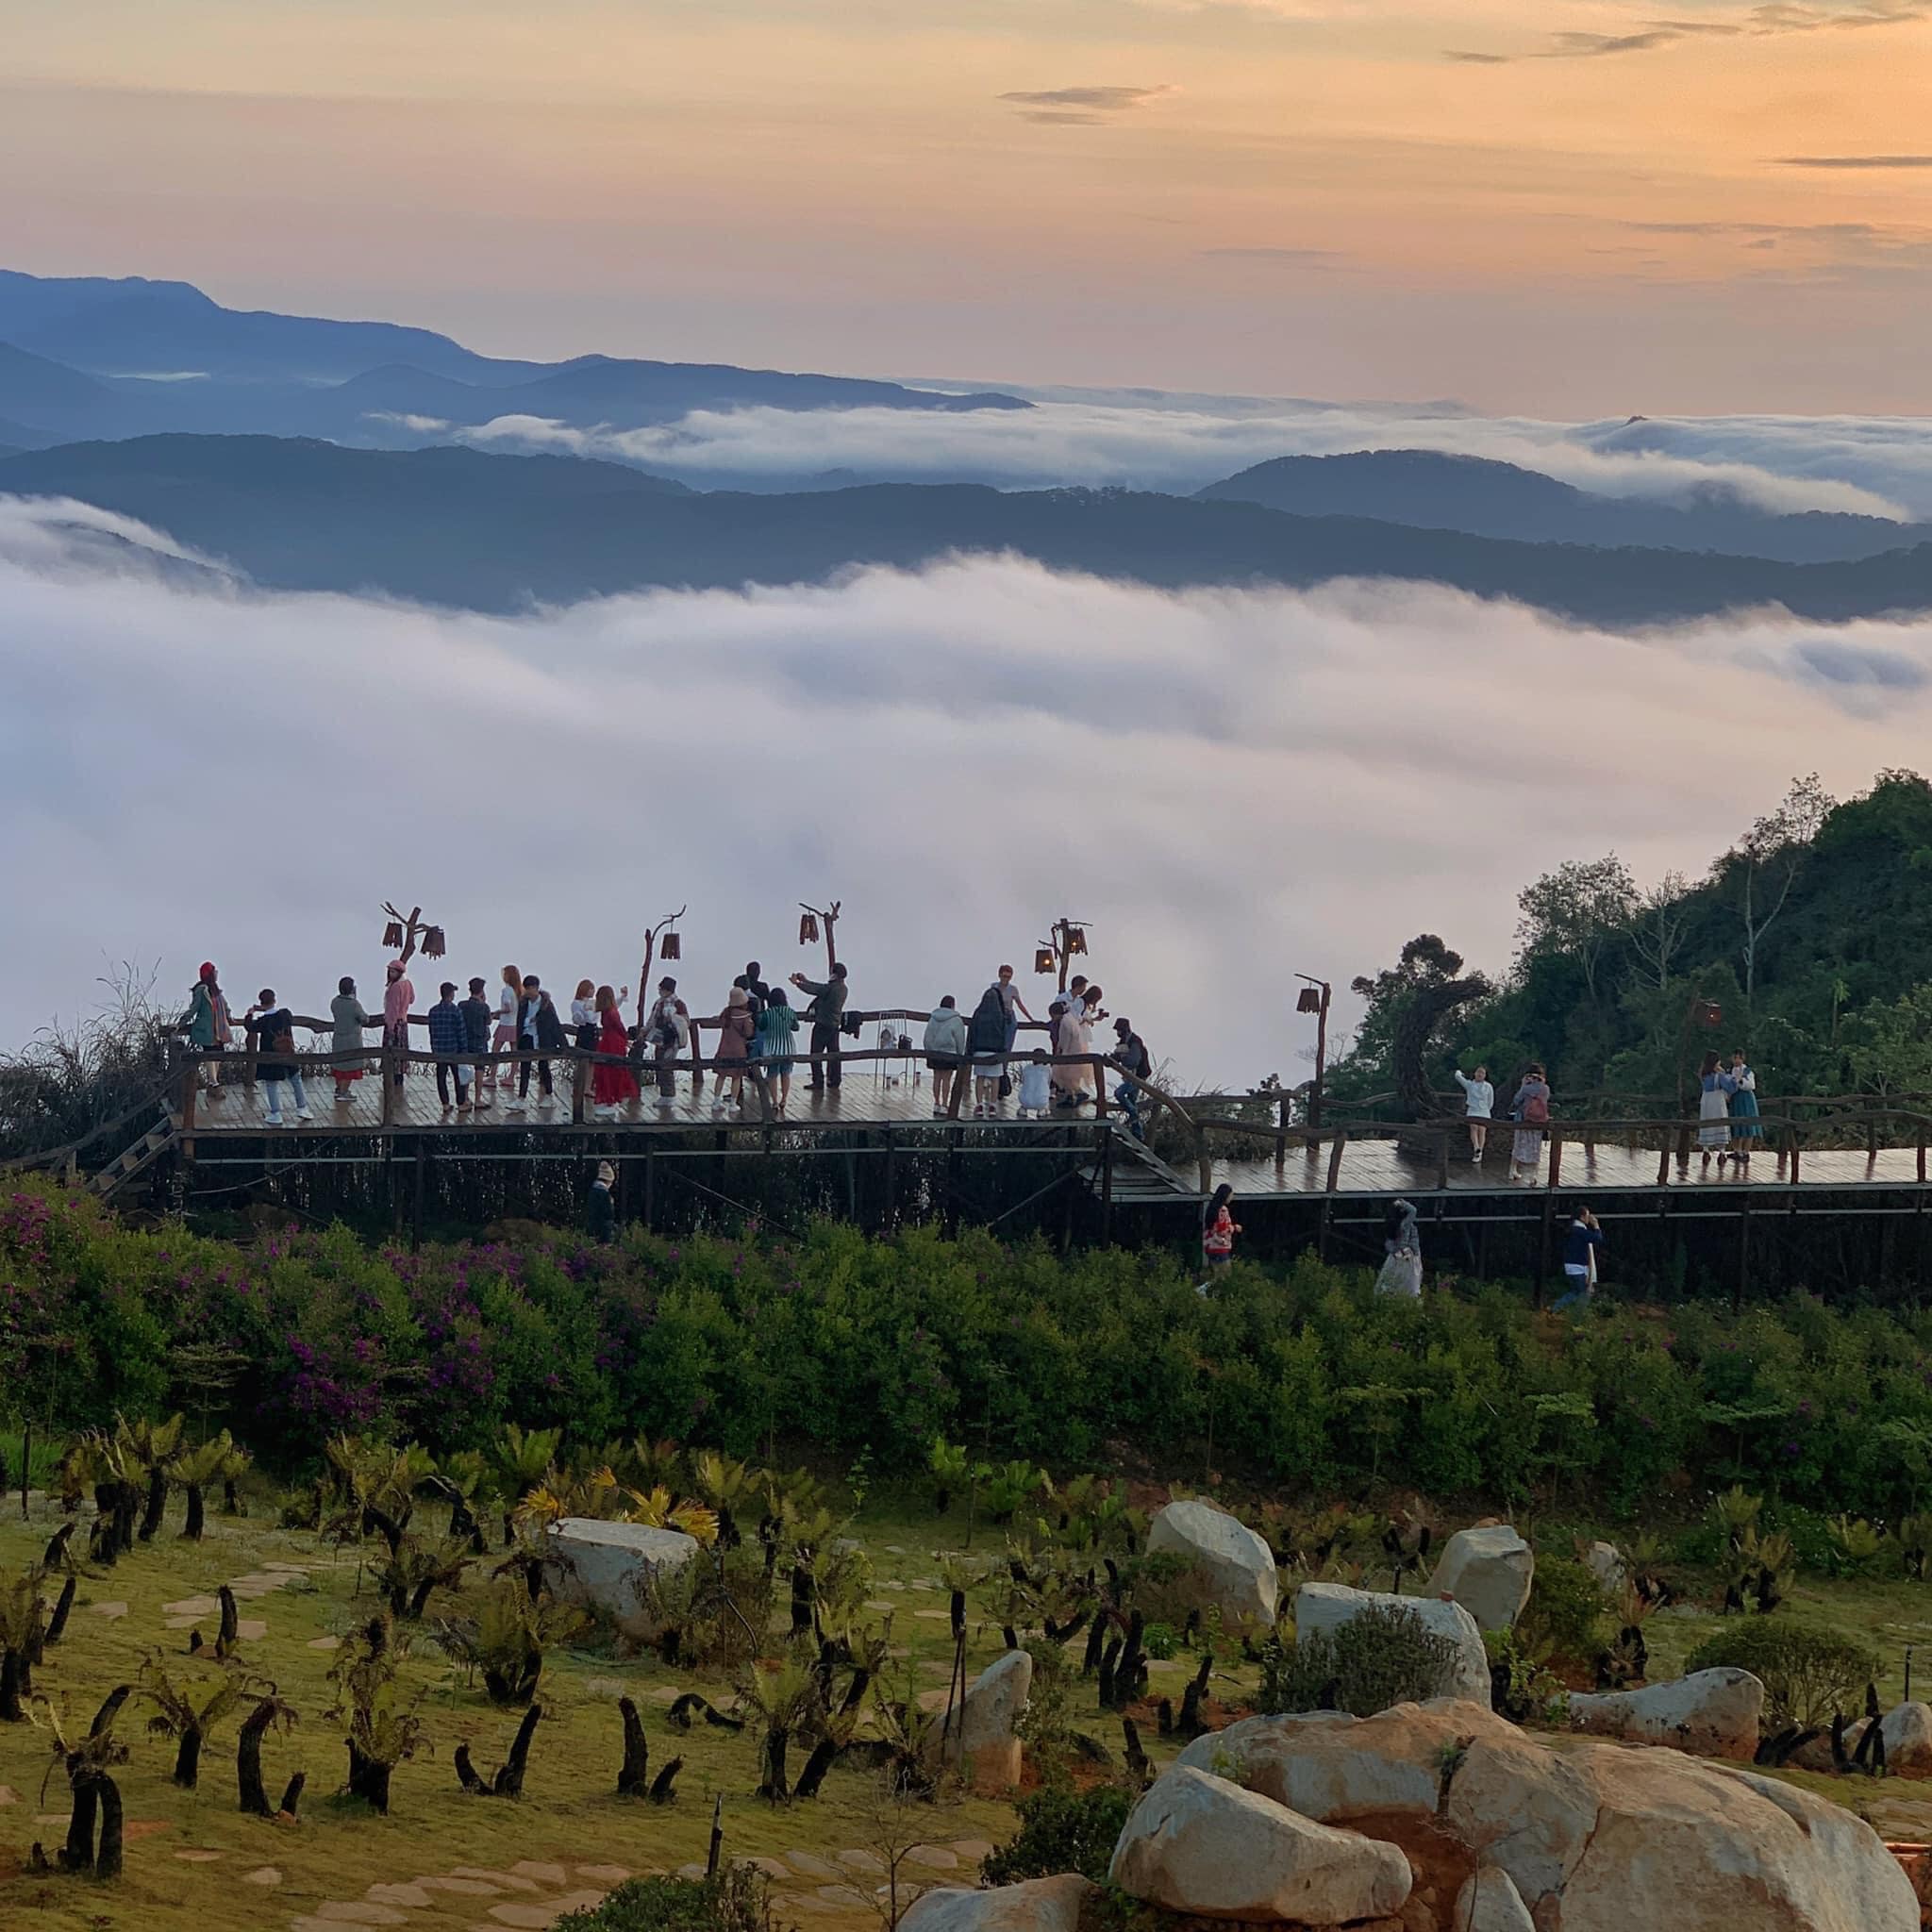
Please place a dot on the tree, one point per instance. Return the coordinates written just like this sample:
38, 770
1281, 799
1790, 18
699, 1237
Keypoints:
1887, 1047
1764, 864
1657, 925
1576, 911
1406, 1006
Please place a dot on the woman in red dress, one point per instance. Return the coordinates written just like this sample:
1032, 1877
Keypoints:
614, 1083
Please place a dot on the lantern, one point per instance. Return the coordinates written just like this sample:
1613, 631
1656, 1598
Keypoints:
809, 929
1309, 1000
393, 933
668, 947
1043, 960
433, 944
1710, 1013
1077, 942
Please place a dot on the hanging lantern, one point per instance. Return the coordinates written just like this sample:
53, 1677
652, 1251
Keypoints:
809, 929
1077, 942
1710, 1013
1043, 960
1309, 1000
393, 933
433, 946
668, 947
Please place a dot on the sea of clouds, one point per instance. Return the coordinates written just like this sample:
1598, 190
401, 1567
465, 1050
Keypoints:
1877, 466
1232, 786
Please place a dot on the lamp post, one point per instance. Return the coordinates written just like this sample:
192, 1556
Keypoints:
1313, 998
1069, 941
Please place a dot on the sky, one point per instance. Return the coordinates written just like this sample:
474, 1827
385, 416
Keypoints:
1566, 209
1234, 787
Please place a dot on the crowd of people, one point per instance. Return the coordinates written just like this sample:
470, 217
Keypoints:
757, 1029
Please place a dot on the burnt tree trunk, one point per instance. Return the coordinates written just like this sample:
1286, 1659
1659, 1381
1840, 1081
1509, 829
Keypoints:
187, 1758
78, 1854
637, 1752
157, 1503
467, 1774
111, 1708
55, 1553
57, 1623
107, 1853
191, 1529
509, 1780
230, 1632
254, 1793
662, 1792
816, 1765
775, 1787
369, 1778
801, 1599
291, 1795
11, 1713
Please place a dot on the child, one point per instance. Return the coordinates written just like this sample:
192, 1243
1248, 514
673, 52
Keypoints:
1218, 1230
1036, 1086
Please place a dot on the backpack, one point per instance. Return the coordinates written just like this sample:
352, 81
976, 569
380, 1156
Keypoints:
1536, 1108
668, 1026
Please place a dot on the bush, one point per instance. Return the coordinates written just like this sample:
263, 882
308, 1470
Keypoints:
1383, 1656
1569, 1615
1807, 1675
735, 1901
1062, 1830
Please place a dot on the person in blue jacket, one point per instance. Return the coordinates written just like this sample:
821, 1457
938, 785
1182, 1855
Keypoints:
1581, 1241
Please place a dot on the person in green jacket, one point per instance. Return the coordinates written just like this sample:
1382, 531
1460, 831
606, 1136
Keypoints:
209, 1025
826, 1013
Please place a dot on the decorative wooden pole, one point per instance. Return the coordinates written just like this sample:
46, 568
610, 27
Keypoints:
1069, 938
1313, 998
646, 990
824, 921
407, 931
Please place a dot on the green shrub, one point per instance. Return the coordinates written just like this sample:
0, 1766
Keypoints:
1807, 1675
1383, 1656
1062, 1830
737, 1900
1161, 1641
1569, 1616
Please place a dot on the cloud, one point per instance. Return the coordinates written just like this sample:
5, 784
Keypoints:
1756, 21
403, 419
1295, 257
1082, 106
1855, 160
1877, 466
1234, 783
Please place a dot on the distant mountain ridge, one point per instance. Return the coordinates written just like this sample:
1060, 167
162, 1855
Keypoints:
156, 357
1443, 491
459, 527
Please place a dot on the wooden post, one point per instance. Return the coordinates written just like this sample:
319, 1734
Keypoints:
650, 1178
1106, 1187
1334, 1153
579, 1068
1100, 1101
1442, 1162
1663, 1165
1281, 1130
1744, 1252
892, 1177
416, 1203
1795, 1150
390, 1066
1922, 1156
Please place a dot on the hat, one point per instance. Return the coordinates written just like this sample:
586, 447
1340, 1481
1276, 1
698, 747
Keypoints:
740, 998
606, 1173
207, 971
1123, 1026
447, 988
395, 969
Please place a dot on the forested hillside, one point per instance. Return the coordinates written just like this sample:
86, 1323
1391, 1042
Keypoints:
1812, 936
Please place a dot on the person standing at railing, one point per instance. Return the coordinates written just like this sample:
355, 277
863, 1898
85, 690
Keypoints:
584, 1028
1715, 1088
448, 1039
986, 1041
1743, 1107
209, 1025
1530, 1110
475, 1012
273, 1027
509, 997
1016, 1007
1480, 1103
540, 1031
757, 991
945, 1052
827, 1015
613, 1085
736, 1031
348, 1022
777, 1034
398, 998
666, 1030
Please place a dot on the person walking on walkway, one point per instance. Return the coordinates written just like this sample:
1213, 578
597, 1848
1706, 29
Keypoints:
540, 1031
986, 1041
613, 1084
945, 1052
1744, 1108
1582, 1239
1715, 1088
1402, 1246
475, 1012
398, 999
1131, 1057
1218, 1230
348, 1021
777, 1035
666, 1032
1480, 1103
600, 1211
273, 1028
509, 997
449, 1041
736, 1031
209, 1026
827, 1015
1530, 1110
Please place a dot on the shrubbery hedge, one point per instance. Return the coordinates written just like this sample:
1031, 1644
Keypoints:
1307, 1379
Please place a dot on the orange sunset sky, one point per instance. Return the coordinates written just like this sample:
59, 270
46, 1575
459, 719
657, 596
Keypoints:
1524, 204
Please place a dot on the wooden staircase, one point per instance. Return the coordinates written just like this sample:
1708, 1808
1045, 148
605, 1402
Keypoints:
135, 1159
1139, 1176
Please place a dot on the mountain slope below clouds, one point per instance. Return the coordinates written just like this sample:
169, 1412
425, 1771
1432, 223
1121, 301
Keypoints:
1438, 491
459, 527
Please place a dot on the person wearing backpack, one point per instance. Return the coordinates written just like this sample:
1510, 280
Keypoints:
1530, 1110
275, 1027
1131, 1057
666, 1030
986, 1039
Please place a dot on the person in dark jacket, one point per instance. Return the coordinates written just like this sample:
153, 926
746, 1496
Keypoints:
600, 1211
986, 1041
476, 1017
449, 1041
1131, 1057
1581, 1241
273, 1026
826, 1014
539, 1031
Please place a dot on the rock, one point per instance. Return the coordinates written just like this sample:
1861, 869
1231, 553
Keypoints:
1237, 1565
1327, 1606
936, 1857
1605, 1563
807, 1864
1200, 1845
1041, 1904
267, 1876
980, 1736
543, 1872
1907, 1729
1489, 1902
1710, 1714
1488, 1571
1594, 1837
391, 1892
608, 1567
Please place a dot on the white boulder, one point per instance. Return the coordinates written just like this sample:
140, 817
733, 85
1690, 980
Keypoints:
1237, 1566
1604, 1563
978, 1738
1710, 1713
1199, 1845
608, 1567
1907, 1729
1490, 1902
1040, 1905
1326, 1606
1488, 1571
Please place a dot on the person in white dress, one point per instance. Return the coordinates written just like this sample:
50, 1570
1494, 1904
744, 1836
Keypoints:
1480, 1103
